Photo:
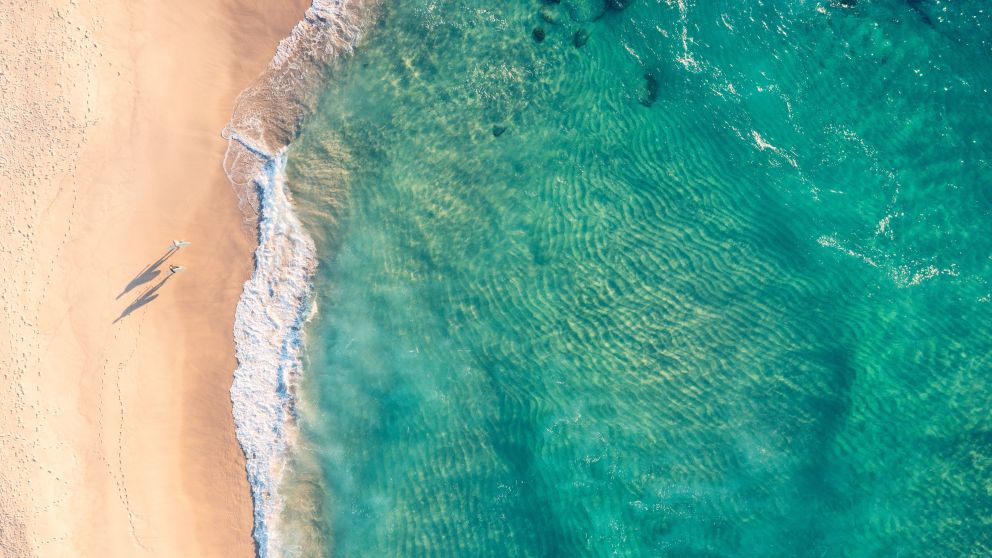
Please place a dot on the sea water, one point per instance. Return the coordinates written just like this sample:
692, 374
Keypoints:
648, 278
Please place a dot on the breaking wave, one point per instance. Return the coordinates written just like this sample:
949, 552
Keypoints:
276, 301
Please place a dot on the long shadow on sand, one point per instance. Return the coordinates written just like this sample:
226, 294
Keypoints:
145, 297
150, 272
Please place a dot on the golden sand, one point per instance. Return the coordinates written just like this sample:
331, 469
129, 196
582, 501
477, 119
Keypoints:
117, 437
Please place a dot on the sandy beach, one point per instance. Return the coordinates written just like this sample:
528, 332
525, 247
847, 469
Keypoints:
116, 435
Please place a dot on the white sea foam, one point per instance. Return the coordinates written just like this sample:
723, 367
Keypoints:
277, 301
267, 115
267, 332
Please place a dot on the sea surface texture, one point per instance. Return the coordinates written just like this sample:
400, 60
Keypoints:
649, 278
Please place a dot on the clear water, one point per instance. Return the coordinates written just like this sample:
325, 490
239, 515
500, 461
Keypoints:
714, 283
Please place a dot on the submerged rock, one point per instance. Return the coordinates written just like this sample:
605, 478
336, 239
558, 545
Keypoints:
584, 11
916, 6
498, 131
651, 90
550, 15
538, 34
580, 38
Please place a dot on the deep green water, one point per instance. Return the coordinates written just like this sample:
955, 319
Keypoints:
721, 287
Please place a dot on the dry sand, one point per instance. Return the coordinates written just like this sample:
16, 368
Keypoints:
116, 439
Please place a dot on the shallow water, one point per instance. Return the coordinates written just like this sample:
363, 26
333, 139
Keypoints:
715, 282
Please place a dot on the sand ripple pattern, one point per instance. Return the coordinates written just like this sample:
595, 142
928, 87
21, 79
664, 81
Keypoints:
564, 314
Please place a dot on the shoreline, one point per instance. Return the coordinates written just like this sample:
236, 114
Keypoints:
275, 305
118, 438
277, 302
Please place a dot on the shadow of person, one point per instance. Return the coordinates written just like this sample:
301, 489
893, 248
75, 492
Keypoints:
143, 299
150, 272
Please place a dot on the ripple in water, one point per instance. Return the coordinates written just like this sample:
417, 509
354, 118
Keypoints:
713, 282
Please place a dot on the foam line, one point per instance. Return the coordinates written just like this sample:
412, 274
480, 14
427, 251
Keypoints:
268, 324
277, 301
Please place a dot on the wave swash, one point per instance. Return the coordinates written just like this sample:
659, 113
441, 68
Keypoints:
276, 301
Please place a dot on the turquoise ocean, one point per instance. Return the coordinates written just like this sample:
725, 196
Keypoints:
647, 278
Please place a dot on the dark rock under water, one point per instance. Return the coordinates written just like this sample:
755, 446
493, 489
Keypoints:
580, 38
651, 90
917, 7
